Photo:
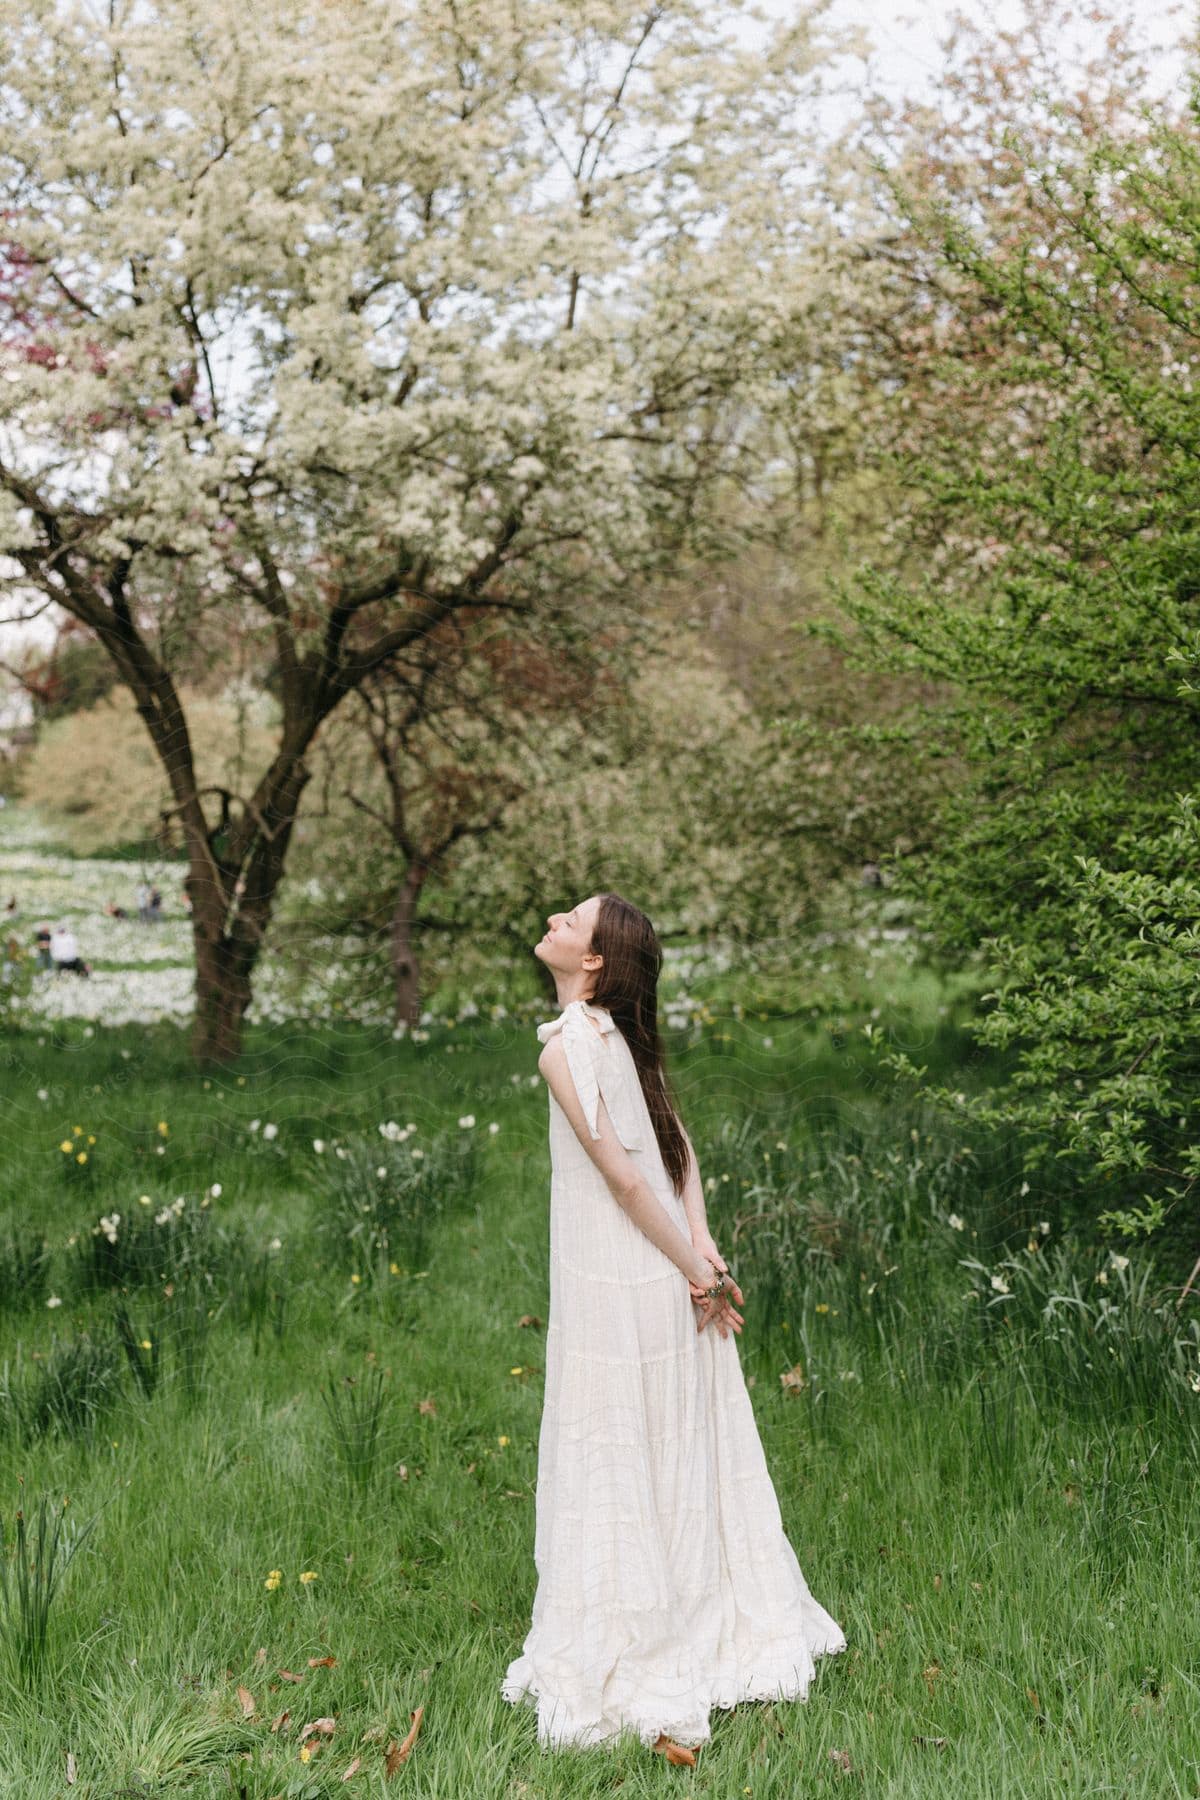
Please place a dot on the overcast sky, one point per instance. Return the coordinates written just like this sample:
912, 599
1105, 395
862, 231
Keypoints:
907, 54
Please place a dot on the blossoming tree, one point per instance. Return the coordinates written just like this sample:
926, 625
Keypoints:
324, 327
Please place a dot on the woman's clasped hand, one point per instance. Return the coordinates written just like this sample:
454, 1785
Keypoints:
720, 1309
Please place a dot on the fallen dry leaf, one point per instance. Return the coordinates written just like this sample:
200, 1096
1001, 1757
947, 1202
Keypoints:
398, 1753
321, 1662
929, 1675
842, 1760
322, 1727
279, 1722
426, 1406
70, 1769
286, 1675
247, 1700
792, 1380
938, 1743
353, 1768
529, 1319
678, 1754
260, 1657
402, 1471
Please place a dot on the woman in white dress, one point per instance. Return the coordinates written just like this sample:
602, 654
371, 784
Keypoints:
666, 1585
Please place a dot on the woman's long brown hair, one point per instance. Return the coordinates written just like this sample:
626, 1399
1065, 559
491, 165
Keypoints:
627, 987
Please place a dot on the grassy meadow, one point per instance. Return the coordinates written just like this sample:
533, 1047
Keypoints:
277, 1341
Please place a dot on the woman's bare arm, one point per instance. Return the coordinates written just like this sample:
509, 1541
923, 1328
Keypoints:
626, 1183
693, 1192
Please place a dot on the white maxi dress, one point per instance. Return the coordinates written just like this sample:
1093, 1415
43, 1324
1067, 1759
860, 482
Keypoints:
666, 1584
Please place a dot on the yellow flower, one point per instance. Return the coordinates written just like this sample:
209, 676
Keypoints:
162, 1128
91, 1139
395, 1268
821, 1306
515, 1371
66, 1146
502, 1441
308, 1575
145, 1343
273, 1579
356, 1279
305, 1753
82, 1157
78, 1130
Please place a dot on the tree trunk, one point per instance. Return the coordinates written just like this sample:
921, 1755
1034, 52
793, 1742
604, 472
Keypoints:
222, 997
232, 902
406, 971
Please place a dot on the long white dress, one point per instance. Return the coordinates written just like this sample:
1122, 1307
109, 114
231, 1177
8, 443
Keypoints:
666, 1584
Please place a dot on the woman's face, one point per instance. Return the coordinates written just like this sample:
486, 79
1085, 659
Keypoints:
568, 937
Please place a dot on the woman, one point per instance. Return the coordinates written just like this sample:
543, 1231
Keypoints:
666, 1585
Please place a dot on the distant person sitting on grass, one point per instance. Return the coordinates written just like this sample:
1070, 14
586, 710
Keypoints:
155, 904
114, 911
65, 951
142, 896
42, 945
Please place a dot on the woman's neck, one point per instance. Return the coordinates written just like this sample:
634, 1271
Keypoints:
568, 988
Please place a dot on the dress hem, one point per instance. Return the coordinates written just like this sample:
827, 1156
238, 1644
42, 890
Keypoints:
520, 1689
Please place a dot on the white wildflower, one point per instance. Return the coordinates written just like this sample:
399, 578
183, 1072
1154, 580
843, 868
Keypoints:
54, 1300
955, 1223
1119, 1263
467, 1120
319, 1146
1001, 1286
270, 1131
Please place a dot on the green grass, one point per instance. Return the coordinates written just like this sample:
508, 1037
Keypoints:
1007, 1538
